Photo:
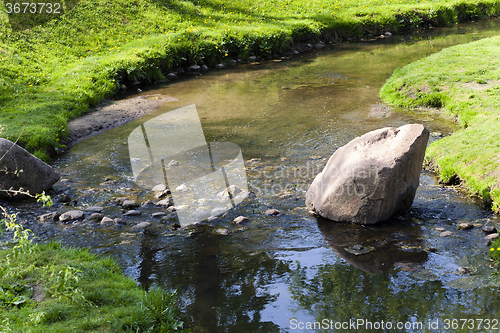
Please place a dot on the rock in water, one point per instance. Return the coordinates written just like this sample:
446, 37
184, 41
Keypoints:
19, 169
371, 178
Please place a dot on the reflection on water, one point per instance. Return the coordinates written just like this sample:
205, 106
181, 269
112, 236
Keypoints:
287, 118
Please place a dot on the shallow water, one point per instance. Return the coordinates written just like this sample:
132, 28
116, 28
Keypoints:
279, 273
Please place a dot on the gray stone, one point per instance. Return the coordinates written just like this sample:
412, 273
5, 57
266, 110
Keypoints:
445, 234
49, 217
158, 214
165, 202
465, 226
241, 219
19, 170
371, 178
489, 229
96, 217
107, 221
128, 204
132, 213
96, 209
159, 188
169, 218
142, 225
272, 212
491, 237
72, 215
223, 231
230, 191
119, 221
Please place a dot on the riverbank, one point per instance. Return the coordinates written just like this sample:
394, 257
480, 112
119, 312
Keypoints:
55, 66
50, 288
463, 82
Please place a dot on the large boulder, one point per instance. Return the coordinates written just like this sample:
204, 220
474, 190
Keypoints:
21, 170
371, 178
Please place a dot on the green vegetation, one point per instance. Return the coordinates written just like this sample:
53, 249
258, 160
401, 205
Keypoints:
53, 66
49, 288
464, 82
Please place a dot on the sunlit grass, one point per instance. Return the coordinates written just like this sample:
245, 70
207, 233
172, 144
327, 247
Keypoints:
53, 67
464, 81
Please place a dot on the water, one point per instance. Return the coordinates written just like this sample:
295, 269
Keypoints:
283, 273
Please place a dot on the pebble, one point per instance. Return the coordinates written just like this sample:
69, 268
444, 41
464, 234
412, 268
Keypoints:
142, 225
147, 203
182, 188
241, 219
97, 209
272, 212
96, 217
158, 214
107, 221
129, 204
445, 234
491, 237
440, 229
119, 221
169, 218
132, 213
171, 209
223, 231
173, 163
465, 226
463, 270
72, 215
49, 217
489, 229
165, 202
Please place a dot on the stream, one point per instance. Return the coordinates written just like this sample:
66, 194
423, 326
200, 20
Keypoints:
272, 126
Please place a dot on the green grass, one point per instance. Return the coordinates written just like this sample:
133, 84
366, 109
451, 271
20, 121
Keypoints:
57, 289
53, 66
464, 82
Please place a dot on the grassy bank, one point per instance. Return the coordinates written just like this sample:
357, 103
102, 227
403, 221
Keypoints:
463, 82
53, 66
49, 288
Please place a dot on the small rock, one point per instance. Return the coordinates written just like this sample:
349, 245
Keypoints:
440, 229
477, 225
252, 58
159, 188
445, 234
212, 218
465, 226
158, 214
223, 231
128, 204
142, 225
194, 68
97, 209
221, 65
463, 270
147, 203
319, 45
162, 194
241, 219
491, 237
123, 87
182, 188
119, 200
204, 68
107, 221
489, 229
272, 212
230, 192
171, 209
388, 34
49, 217
165, 202
173, 163
119, 221
132, 213
72, 215
96, 217
172, 75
